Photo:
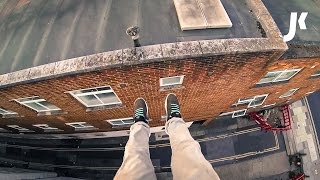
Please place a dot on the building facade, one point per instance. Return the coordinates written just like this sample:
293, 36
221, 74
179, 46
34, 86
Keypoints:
213, 72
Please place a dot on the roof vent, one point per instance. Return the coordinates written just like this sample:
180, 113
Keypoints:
201, 14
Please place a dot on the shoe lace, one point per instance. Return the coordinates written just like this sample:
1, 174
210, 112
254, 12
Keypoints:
175, 108
139, 112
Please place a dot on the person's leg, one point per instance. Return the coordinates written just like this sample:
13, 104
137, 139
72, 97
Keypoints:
136, 161
187, 160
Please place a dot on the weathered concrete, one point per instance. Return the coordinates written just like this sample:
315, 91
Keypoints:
159, 52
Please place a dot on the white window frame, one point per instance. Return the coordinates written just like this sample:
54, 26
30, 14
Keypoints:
37, 102
226, 113
310, 92
121, 119
281, 73
250, 100
269, 105
7, 112
258, 96
246, 101
172, 84
234, 112
82, 124
95, 93
19, 128
242, 110
293, 91
316, 74
45, 127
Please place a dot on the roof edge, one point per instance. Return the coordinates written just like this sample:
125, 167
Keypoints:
140, 55
159, 52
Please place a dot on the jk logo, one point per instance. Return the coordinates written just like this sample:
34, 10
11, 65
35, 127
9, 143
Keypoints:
293, 25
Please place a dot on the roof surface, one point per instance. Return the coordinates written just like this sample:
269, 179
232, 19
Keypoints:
36, 32
281, 10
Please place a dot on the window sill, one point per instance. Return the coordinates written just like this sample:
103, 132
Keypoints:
121, 126
314, 77
85, 129
51, 113
167, 88
8, 116
270, 84
104, 107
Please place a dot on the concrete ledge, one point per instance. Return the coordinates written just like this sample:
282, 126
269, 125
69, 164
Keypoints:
155, 53
141, 55
264, 17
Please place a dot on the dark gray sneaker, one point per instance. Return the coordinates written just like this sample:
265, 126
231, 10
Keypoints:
172, 106
140, 111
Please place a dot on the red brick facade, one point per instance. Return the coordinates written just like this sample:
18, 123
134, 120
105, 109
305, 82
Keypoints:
211, 85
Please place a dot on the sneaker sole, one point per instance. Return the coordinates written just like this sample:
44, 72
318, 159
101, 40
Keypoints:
147, 118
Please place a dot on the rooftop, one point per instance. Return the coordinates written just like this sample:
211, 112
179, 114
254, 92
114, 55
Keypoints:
281, 10
37, 32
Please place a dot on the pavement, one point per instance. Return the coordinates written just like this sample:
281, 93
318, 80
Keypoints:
302, 138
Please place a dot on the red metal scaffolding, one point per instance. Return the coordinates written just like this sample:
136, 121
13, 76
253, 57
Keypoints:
263, 123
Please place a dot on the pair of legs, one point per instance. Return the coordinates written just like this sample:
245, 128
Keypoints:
187, 160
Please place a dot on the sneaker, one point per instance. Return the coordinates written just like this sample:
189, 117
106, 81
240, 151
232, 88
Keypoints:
172, 106
140, 110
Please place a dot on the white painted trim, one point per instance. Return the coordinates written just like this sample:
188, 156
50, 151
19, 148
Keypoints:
265, 97
269, 105
310, 92
19, 128
179, 83
45, 127
292, 92
226, 113
316, 74
281, 73
121, 119
94, 93
243, 110
82, 124
7, 112
36, 101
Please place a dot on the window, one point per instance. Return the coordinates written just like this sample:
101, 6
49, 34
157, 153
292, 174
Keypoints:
316, 74
289, 93
3, 130
252, 101
278, 76
235, 114
94, 97
18, 128
38, 104
7, 112
258, 100
45, 127
80, 125
121, 122
171, 81
239, 113
308, 93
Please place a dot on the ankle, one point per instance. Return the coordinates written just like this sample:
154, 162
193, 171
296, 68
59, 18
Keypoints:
140, 119
175, 115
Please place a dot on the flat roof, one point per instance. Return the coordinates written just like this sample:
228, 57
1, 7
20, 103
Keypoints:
281, 11
37, 32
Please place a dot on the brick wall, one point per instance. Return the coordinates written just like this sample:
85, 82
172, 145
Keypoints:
211, 85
